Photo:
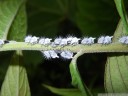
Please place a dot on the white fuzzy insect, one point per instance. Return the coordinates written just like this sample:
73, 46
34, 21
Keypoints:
57, 41
34, 40
66, 54
50, 54
126, 42
84, 41
47, 41
41, 41
2, 42
28, 39
69, 39
88, 41
75, 41
63, 42
101, 40
108, 39
91, 40
123, 39
105, 39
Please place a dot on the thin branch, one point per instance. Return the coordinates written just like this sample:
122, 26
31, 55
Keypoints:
95, 48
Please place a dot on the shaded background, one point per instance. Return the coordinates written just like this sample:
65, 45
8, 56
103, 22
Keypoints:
52, 18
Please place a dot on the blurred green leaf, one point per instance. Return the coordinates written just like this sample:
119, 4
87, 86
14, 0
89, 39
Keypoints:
96, 17
64, 92
45, 16
116, 72
122, 12
7, 15
16, 82
76, 78
5, 60
97, 90
32, 57
18, 28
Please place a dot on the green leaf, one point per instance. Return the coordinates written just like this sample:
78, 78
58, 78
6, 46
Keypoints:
32, 57
44, 16
8, 12
93, 16
13, 27
122, 12
116, 71
18, 28
64, 92
5, 60
76, 78
49, 18
16, 82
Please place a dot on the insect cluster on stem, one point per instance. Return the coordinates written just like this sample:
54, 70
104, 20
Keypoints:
60, 41
69, 40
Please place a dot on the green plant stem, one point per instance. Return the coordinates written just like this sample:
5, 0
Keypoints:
95, 48
76, 78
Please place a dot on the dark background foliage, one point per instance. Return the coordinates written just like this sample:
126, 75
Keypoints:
52, 18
